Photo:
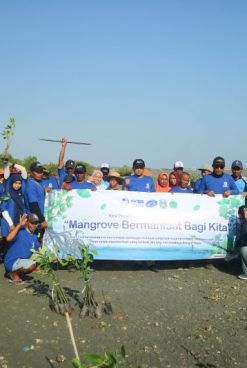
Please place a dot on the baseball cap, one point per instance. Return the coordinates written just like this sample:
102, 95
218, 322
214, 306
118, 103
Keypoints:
178, 165
36, 167
138, 163
237, 163
33, 218
69, 163
80, 168
218, 161
105, 165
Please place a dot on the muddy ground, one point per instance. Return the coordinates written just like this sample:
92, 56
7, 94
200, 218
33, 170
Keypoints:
186, 315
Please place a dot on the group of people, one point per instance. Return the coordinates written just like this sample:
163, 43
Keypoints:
23, 199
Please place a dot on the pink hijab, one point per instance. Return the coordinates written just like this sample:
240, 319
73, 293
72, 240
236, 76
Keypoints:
161, 188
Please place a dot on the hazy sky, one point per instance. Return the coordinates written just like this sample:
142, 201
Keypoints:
154, 79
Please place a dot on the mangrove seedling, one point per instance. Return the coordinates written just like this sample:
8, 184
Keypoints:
45, 259
89, 306
108, 360
8, 134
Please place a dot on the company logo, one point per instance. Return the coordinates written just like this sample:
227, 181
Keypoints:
151, 203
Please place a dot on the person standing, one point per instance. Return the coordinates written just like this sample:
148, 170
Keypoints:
35, 194
80, 181
205, 170
218, 182
139, 182
237, 168
64, 168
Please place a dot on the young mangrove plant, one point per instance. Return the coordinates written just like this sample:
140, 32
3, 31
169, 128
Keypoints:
89, 306
45, 259
108, 360
8, 134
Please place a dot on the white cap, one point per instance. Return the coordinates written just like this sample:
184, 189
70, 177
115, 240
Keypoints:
178, 164
105, 165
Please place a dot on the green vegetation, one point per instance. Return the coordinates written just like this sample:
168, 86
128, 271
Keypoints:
45, 259
108, 360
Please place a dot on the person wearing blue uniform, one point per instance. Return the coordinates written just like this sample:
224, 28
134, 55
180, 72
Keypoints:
18, 260
81, 182
183, 187
237, 168
205, 170
139, 182
49, 182
14, 206
218, 182
67, 168
35, 194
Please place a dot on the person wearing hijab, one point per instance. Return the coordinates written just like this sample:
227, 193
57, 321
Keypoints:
14, 207
162, 184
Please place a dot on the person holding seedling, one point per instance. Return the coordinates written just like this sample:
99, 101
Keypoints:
18, 260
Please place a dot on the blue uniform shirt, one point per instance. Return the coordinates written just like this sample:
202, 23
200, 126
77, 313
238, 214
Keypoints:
140, 184
218, 184
20, 248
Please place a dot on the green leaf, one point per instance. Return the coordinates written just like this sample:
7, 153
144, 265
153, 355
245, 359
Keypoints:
94, 358
76, 363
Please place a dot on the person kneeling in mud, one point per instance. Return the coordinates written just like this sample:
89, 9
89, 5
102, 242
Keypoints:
18, 260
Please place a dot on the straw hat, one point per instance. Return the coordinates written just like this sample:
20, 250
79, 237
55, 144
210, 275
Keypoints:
114, 175
206, 167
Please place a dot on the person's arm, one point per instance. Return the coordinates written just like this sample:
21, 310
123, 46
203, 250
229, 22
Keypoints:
7, 217
62, 153
22, 169
13, 232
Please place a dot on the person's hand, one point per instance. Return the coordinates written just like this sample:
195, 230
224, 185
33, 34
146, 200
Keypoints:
245, 213
226, 194
127, 182
244, 194
44, 225
23, 219
64, 141
211, 193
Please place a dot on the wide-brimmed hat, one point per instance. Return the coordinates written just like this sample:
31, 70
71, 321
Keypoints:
206, 167
114, 175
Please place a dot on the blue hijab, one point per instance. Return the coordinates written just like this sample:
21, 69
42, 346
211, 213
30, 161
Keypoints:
17, 197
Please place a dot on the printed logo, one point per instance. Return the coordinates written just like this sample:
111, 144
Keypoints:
151, 203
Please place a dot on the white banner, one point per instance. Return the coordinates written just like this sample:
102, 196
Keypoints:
124, 225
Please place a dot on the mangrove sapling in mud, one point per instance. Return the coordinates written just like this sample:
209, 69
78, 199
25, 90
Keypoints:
108, 360
45, 259
89, 306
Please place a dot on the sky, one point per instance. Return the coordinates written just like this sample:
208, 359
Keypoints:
161, 80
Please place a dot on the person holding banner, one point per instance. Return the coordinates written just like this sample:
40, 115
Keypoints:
183, 187
218, 182
205, 170
139, 182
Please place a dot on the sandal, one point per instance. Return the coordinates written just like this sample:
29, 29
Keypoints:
16, 282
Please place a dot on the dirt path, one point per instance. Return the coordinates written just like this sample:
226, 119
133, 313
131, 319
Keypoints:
179, 317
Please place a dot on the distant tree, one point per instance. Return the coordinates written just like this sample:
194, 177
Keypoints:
125, 170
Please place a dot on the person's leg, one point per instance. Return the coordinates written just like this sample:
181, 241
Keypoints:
21, 267
243, 255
